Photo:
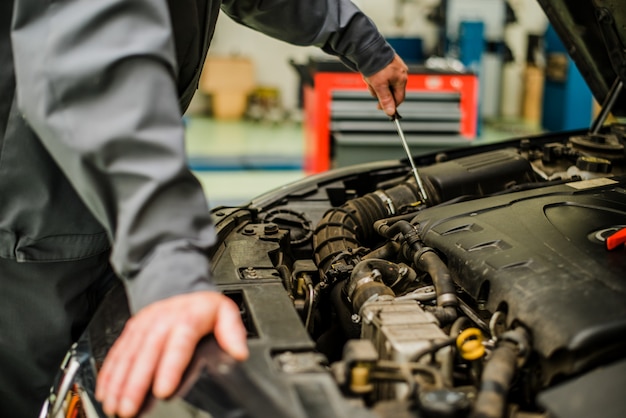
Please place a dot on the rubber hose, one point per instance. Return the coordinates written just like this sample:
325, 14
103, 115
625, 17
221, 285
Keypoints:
352, 225
363, 283
495, 382
388, 251
444, 286
350, 329
390, 272
428, 261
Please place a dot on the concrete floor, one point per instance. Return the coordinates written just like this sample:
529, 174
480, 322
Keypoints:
238, 160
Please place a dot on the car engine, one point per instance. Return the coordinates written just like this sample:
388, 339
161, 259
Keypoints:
504, 296
498, 298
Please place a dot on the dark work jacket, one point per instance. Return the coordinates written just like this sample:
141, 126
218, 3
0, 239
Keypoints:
91, 140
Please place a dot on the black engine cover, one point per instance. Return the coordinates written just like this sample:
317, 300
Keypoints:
541, 256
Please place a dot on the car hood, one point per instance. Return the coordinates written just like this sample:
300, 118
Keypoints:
594, 33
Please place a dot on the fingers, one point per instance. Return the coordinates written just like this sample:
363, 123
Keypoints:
379, 87
157, 345
128, 370
386, 99
112, 379
374, 95
399, 91
178, 352
389, 85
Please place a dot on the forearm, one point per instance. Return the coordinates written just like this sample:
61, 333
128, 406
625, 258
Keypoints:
337, 26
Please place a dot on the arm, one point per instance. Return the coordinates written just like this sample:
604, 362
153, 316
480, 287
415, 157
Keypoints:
340, 29
95, 81
337, 26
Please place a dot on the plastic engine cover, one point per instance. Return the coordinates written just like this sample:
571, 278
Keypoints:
541, 256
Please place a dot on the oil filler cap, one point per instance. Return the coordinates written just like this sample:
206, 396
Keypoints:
593, 164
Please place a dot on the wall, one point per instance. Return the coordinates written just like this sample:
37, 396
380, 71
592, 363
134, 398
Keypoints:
530, 20
271, 57
393, 18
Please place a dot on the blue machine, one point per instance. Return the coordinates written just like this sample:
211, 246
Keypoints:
475, 35
566, 96
471, 46
410, 49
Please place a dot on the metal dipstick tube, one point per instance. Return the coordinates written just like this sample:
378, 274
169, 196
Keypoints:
420, 186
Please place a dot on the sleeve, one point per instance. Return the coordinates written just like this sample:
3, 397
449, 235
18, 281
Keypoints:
96, 82
337, 26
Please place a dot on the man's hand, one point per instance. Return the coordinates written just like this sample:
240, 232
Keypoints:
157, 344
389, 85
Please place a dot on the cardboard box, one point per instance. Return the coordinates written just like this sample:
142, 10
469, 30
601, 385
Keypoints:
229, 81
228, 104
533, 95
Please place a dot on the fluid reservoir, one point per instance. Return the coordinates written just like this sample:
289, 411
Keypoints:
588, 167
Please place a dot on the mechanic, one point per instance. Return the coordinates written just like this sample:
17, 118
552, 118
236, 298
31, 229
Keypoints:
94, 183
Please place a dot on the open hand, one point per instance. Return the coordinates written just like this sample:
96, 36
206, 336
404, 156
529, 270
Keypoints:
157, 344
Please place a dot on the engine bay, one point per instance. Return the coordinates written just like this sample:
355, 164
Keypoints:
492, 300
501, 297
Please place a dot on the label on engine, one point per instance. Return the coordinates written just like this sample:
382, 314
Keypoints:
591, 183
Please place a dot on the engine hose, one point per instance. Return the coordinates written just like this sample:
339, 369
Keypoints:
448, 366
498, 375
425, 259
335, 234
428, 261
411, 241
350, 226
387, 251
391, 274
372, 278
351, 329
389, 229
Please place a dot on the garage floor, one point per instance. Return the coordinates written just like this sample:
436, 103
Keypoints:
238, 160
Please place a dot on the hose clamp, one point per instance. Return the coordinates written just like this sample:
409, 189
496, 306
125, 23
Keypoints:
391, 210
447, 299
353, 285
423, 251
519, 339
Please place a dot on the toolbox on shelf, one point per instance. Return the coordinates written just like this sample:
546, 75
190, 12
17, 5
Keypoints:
343, 125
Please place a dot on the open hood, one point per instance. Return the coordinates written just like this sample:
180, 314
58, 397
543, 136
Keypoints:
594, 33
